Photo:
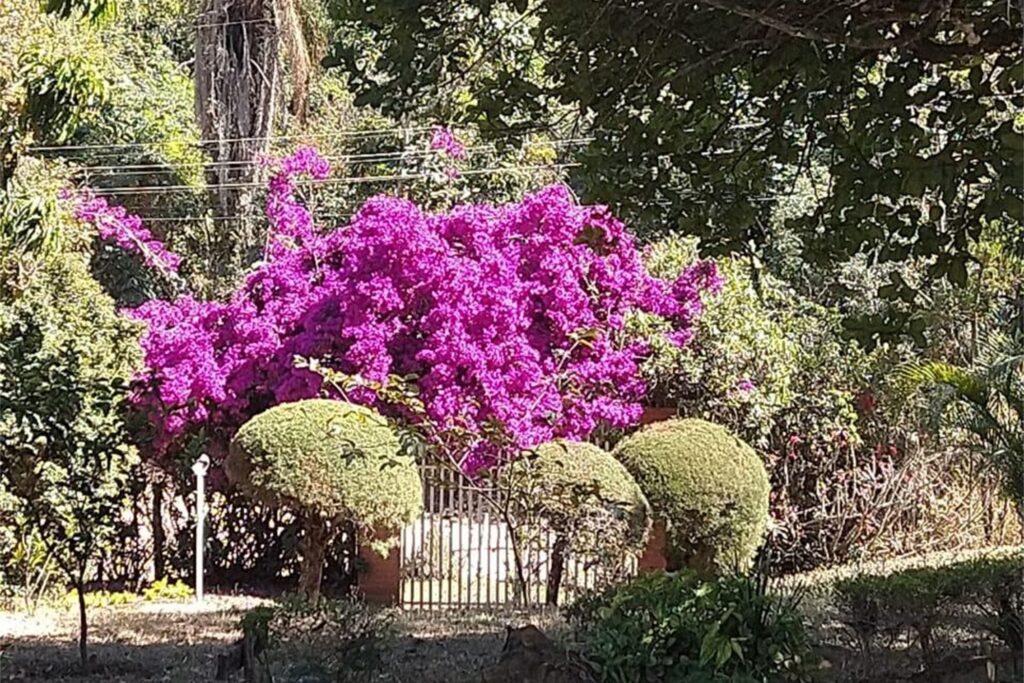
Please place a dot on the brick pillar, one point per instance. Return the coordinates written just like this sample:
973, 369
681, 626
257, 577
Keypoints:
380, 576
653, 557
656, 415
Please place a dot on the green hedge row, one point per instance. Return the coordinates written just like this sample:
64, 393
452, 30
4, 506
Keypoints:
986, 592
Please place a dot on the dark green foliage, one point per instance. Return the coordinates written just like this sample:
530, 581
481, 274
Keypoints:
340, 641
93, 9
985, 400
331, 458
710, 488
987, 592
680, 628
65, 359
706, 114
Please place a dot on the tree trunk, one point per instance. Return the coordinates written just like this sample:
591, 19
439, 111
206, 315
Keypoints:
314, 550
522, 589
557, 569
83, 627
159, 539
237, 83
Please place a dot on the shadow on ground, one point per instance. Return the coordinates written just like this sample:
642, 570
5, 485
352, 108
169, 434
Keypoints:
178, 643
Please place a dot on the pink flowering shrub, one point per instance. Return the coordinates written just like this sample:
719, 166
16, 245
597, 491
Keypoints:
444, 139
511, 314
114, 224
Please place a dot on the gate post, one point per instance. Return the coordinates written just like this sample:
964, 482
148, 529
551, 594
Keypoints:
653, 557
379, 579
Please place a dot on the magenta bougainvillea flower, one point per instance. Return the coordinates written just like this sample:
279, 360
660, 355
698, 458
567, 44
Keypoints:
745, 386
444, 139
512, 313
114, 224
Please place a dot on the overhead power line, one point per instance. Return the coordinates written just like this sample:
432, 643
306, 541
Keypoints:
345, 133
353, 180
219, 219
367, 158
339, 134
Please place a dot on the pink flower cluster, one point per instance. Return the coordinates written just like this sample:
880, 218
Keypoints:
508, 313
114, 224
292, 225
444, 139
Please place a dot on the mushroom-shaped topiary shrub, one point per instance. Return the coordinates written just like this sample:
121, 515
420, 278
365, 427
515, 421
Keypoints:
331, 462
708, 487
588, 499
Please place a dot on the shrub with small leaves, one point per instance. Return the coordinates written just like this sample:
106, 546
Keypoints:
681, 628
709, 487
333, 463
330, 457
588, 499
986, 592
339, 641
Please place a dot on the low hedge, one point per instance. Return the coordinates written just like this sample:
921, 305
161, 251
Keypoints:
681, 627
988, 592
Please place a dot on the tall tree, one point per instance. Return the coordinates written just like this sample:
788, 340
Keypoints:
706, 113
238, 73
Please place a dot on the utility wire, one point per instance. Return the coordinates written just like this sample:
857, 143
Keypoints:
217, 219
354, 133
355, 180
233, 22
344, 133
374, 157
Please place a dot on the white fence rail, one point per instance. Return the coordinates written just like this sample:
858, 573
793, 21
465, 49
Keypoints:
459, 553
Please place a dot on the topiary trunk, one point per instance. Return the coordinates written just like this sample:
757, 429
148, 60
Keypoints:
557, 569
315, 539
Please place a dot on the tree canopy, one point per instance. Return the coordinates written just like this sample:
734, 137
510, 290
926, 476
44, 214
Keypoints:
904, 115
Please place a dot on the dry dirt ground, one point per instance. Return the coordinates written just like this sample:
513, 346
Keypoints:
179, 642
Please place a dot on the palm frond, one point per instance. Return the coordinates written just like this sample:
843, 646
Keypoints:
919, 375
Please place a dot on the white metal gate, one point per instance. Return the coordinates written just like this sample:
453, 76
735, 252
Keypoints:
459, 552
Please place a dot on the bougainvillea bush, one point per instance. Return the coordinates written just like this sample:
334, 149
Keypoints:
510, 315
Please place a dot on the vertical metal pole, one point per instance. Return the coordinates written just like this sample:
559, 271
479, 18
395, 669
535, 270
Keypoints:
199, 468
200, 523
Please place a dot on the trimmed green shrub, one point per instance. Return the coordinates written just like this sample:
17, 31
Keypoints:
579, 479
332, 462
588, 499
987, 591
330, 640
681, 628
709, 488
333, 458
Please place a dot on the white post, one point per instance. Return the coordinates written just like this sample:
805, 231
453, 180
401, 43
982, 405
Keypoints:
199, 469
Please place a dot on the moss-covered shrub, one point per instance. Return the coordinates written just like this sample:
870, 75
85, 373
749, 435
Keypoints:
710, 489
333, 458
588, 499
330, 462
